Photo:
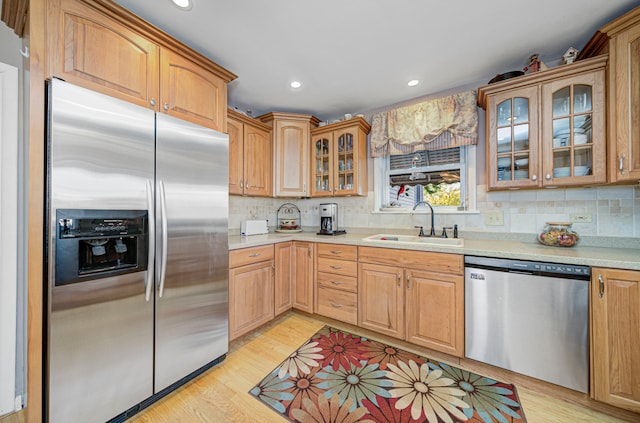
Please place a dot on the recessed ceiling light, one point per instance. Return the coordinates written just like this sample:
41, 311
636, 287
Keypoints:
413, 83
182, 4
295, 84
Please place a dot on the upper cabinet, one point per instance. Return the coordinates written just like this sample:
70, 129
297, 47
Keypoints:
621, 39
191, 92
291, 138
101, 46
249, 156
339, 159
547, 128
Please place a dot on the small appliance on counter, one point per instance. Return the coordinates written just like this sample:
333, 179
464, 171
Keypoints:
253, 227
329, 220
288, 218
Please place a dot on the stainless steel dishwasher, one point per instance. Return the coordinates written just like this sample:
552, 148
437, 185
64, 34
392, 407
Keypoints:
529, 317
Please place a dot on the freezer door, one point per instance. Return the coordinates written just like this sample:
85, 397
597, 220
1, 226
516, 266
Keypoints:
99, 334
192, 248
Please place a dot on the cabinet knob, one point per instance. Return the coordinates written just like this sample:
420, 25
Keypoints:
152, 101
336, 282
548, 177
335, 305
336, 267
336, 252
621, 163
534, 177
166, 106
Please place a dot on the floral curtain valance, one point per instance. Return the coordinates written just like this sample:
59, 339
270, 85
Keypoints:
432, 125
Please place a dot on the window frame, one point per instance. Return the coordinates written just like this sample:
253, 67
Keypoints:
468, 174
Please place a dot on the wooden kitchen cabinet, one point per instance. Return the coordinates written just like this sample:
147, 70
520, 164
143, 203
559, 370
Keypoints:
191, 92
339, 159
283, 284
251, 289
621, 40
302, 276
291, 139
615, 337
249, 156
413, 295
101, 46
337, 282
547, 128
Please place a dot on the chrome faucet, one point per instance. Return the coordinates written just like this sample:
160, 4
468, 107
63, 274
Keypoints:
432, 232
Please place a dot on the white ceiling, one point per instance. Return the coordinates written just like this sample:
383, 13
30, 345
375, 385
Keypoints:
358, 55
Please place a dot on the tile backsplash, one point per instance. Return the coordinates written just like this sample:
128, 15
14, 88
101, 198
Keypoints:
615, 211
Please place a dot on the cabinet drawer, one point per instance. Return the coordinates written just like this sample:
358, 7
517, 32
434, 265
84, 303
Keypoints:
343, 283
339, 305
340, 267
340, 251
423, 260
250, 255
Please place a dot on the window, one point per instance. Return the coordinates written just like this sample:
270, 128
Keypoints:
444, 178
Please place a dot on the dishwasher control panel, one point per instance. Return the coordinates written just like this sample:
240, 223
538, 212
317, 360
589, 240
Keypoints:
524, 266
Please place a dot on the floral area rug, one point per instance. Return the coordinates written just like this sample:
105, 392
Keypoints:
339, 377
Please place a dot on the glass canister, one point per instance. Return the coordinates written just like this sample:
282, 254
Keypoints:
558, 234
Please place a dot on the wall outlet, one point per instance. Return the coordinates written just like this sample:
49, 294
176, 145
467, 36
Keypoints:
580, 217
494, 218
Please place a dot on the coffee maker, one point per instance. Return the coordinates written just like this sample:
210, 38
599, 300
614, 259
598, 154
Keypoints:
329, 220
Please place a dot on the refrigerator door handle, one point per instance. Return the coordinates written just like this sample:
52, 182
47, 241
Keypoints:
165, 236
148, 282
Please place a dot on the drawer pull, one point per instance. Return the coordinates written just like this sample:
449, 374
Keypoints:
336, 252
336, 282
335, 305
334, 266
254, 255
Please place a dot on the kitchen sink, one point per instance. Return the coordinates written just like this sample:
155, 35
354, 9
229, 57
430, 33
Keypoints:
415, 240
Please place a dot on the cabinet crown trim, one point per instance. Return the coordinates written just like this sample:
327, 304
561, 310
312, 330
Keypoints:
270, 117
600, 39
572, 69
232, 114
156, 35
359, 121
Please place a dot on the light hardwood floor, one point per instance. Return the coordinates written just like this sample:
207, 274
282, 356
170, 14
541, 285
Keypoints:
221, 394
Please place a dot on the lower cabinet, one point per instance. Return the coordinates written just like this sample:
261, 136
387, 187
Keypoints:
283, 289
412, 295
251, 289
615, 337
337, 282
302, 275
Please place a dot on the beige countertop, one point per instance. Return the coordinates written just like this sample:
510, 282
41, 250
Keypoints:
525, 248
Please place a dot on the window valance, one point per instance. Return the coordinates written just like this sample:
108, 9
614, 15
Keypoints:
432, 125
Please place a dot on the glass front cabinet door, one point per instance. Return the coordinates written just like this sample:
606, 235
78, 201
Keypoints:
339, 159
548, 128
513, 145
573, 137
322, 164
345, 162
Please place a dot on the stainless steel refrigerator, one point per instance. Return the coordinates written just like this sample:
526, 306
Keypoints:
137, 254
